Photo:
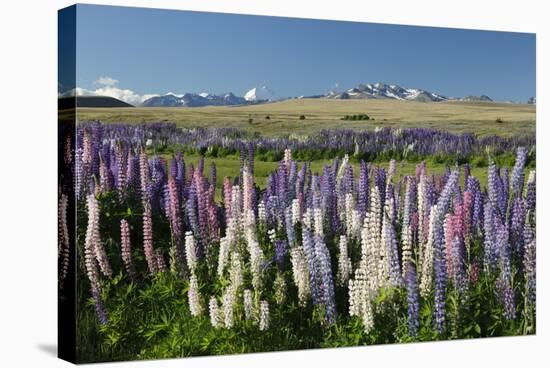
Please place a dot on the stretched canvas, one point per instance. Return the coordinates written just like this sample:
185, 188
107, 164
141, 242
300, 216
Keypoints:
233, 184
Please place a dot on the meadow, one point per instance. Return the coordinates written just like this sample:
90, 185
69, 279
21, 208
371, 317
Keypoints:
483, 118
273, 235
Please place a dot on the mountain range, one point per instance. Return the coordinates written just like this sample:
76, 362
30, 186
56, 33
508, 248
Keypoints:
194, 100
264, 94
385, 91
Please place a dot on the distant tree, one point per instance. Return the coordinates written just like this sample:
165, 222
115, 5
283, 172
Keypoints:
267, 117
356, 117
302, 117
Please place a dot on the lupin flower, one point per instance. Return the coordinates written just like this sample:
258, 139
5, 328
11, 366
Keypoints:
214, 312
63, 238
494, 190
248, 305
363, 188
516, 184
191, 210
228, 301
427, 257
517, 225
99, 307
279, 289
251, 157
371, 243
530, 269
413, 306
262, 215
460, 280
90, 261
344, 262
122, 171
309, 252
409, 203
161, 263
145, 176
126, 248
93, 237
326, 290
227, 196
347, 213
300, 273
289, 226
223, 254
440, 275
253, 246
530, 195
148, 238
392, 270
175, 221
190, 251
490, 250
280, 252
391, 171
296, 211
504, 281
194, 296
318, 222
361, 295
264, 315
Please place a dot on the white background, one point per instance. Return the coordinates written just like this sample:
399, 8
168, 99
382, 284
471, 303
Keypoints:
28, 87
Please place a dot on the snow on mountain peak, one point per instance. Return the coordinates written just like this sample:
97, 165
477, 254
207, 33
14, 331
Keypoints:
259, 94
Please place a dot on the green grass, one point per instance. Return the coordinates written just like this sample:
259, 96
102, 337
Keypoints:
230, 165
458, 117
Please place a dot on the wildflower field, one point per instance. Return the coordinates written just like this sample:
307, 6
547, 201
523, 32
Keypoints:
217, 241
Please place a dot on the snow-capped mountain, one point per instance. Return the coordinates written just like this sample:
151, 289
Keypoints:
194, 100
386, 91
260, 94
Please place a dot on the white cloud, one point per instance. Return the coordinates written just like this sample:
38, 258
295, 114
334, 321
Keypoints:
107, 88
106, 81
77, 92
126, 95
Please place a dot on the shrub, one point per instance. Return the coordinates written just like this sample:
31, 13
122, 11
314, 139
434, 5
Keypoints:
302, 117
356, 117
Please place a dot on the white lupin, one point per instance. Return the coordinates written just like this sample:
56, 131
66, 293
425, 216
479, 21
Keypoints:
228, 300
194, 297
300, 273
262, 214
248, 304
344, 262
279, 288
214, 312
318, 222
427, 259
295, 211
190, 251
264, 315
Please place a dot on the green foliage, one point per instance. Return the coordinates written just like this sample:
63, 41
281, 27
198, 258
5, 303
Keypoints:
149, 317
356, 117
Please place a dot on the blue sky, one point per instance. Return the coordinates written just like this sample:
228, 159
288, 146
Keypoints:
148, 51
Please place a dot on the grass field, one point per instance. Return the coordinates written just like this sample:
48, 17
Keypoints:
230, 165
478, 117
